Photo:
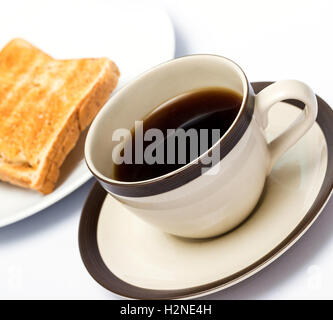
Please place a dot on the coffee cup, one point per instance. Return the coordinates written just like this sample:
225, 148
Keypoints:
190, 202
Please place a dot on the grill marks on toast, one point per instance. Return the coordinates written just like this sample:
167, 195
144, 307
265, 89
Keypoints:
13, 82
16, 123
44, 105
37, 103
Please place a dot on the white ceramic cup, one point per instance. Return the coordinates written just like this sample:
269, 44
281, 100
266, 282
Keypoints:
186, 202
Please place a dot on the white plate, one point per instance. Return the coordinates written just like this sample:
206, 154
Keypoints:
136, 37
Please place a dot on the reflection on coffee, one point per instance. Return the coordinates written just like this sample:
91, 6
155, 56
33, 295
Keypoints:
188, 124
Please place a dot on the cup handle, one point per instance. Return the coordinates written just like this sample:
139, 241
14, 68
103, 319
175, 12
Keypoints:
279, 91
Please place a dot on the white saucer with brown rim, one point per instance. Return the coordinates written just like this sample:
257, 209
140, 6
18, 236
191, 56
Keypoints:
135, 260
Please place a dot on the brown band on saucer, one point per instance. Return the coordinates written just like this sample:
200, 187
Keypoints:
96, 267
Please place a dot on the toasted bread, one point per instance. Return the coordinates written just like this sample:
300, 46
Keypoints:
44, 105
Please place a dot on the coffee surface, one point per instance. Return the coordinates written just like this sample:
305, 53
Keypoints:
210, 112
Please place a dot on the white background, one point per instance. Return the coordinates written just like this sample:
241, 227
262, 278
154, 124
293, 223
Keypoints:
270, 40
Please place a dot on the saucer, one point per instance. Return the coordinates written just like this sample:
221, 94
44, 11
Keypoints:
133, 259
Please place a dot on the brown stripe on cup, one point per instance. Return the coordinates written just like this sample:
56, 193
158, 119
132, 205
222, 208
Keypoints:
193, 170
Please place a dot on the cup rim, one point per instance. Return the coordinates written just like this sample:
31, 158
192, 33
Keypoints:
108, 104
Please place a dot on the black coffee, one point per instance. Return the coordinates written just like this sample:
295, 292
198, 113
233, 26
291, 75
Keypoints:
209, 109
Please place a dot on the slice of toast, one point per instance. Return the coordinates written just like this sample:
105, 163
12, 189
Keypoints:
44, 105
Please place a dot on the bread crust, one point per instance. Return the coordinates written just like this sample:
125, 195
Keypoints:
43, 176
